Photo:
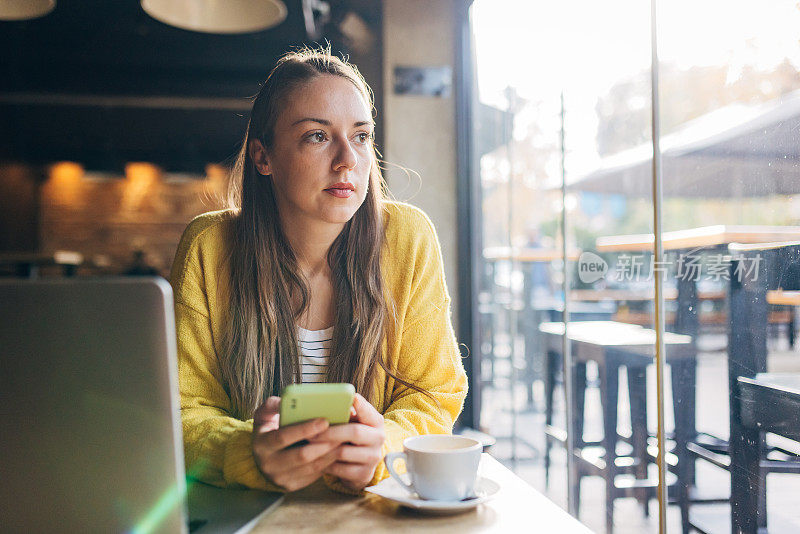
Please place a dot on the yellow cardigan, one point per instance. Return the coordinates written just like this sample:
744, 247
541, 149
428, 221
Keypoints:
217, 446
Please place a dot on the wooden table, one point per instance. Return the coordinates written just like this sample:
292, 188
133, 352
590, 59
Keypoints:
706, 236
783, 298
734, 238
516, 508
719, 238
528, 254
526, 259
592, 338
27, 264
600, 295
748, 315
779, 297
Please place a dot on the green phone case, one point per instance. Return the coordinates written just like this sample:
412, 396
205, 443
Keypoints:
303, 402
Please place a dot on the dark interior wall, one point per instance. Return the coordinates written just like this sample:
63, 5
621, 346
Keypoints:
19, 207
103, 84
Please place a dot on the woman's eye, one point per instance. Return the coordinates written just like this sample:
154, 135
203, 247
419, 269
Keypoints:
316, 137
364, 137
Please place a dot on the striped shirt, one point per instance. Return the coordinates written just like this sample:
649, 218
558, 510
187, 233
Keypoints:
315, 347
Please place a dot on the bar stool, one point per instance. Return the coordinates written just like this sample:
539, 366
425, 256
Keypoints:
631, 349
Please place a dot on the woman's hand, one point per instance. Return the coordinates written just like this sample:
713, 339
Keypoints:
290, 467
359, 445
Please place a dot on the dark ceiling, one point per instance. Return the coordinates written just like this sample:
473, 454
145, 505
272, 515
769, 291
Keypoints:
103, 83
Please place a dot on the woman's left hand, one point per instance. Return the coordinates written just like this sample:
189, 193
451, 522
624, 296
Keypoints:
361, 446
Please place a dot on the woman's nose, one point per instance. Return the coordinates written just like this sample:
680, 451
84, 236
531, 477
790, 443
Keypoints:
346, 157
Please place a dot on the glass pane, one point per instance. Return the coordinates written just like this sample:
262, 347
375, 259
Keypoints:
517, 143
730, 138
609, 206
575, 70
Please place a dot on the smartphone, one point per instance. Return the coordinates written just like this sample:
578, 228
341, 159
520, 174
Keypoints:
303, 402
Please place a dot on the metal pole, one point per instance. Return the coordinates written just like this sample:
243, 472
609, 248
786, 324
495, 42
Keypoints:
512, 315
658, 255
469, 218
566, 353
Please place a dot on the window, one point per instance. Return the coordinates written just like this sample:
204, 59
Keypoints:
563, 152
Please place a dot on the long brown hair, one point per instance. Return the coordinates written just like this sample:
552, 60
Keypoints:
261, 353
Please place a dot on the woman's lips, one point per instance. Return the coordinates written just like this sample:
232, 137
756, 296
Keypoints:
341, 190
340, 193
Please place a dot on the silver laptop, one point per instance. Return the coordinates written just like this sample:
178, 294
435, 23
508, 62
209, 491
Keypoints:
91, 437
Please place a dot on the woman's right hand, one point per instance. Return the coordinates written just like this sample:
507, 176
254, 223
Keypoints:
291, 468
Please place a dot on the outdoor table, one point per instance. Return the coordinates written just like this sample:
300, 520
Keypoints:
529, 306
613, 345
517, 507
579, 296
768, 402
528, 254
703, 237
687, 319
783, 298
601, 295
553, 309
786, 298
734, 237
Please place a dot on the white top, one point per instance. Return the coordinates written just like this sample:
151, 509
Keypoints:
315, 346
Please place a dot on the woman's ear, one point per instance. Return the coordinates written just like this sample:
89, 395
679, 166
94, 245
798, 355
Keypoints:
259, 156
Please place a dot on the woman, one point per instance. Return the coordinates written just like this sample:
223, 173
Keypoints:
311, 276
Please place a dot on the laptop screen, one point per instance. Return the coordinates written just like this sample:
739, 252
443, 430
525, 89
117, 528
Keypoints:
90, 411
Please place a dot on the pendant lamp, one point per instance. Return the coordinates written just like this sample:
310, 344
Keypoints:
25, 9
217, 16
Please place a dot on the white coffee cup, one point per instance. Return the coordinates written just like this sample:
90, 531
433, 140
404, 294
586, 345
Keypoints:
441, 467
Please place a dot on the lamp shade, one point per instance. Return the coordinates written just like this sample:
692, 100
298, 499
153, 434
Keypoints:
25, 9
217, 16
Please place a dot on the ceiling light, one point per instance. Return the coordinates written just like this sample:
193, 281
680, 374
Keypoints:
25, 9
217, 16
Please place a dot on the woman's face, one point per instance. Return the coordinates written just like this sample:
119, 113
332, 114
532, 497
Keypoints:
322, 152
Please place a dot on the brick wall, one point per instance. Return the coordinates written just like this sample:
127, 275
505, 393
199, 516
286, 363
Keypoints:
107, 218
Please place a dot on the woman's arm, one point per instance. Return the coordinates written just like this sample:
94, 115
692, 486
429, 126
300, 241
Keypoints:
430, 359
423, 350
427, 353
217, 446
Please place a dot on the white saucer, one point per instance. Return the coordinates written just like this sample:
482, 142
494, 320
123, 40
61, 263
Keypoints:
388, 488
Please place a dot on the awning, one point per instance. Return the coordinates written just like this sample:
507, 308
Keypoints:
736, 151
